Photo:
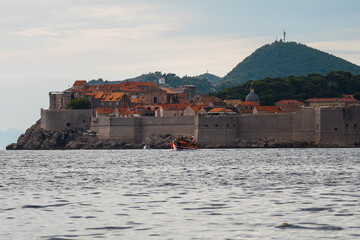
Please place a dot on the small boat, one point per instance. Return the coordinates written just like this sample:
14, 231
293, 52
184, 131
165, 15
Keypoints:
146, 147
184, 142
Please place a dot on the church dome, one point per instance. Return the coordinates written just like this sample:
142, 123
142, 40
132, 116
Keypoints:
252, 96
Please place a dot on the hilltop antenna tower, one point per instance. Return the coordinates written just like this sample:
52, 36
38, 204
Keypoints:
284, 35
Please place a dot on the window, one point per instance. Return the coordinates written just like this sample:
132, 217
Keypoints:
335, 129
206, 125
216, 125
155, 100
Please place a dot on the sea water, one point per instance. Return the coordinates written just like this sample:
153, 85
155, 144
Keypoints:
165, 194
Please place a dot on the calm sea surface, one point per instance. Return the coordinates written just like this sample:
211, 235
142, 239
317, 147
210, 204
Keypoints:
164, 194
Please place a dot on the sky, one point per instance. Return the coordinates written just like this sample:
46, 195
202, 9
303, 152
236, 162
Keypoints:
45, 45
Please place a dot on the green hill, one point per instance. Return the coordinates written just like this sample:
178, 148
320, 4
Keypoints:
210, 77
282, 59
271, 90
203, 86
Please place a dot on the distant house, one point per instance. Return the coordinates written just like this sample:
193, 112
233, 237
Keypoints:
104, 112
233, 102
289, 105
203, 99
80, 84
127, 112
223, 111
193, 110
266, 109
331, 102
147, 110
135, 101
247, 107
111, 100
171, 110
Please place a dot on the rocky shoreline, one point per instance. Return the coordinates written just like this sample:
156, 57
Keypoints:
36, 138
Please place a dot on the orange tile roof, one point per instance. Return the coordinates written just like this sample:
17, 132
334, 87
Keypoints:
270, 109
171, 107
139, 106
112, 97
78, 90
289, 102
89, 94
215, 110
331, 100
79, 83
249, 103
197, 108
128, 111
99, 95
137, 100
105, 110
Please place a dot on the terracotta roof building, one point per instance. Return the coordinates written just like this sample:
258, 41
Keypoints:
289, 105
320, 102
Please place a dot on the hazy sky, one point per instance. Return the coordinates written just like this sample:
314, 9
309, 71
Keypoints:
46, 45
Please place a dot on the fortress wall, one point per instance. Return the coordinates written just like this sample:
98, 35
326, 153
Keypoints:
65, 119
339, 125
278, 126
304, 125
127, 130
136, 129
216, 130
168, 125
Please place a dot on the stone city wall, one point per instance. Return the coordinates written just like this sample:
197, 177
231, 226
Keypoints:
337, 125
136, 129
65, 119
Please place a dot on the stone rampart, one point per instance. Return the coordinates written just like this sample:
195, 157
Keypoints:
136, 129
338, 125
65, 119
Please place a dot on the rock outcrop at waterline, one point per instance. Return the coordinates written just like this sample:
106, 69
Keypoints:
36, 138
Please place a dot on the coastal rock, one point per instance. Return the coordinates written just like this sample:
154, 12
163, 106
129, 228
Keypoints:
36, 138
158, 141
